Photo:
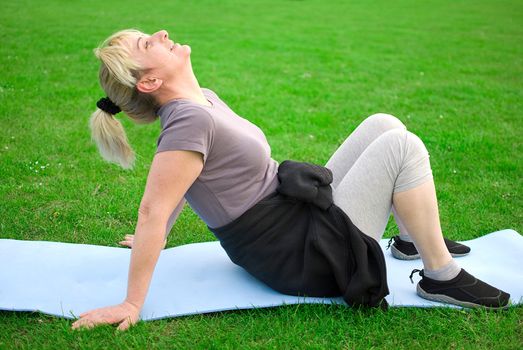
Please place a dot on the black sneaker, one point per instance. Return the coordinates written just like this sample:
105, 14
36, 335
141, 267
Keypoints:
403, 250
463, 290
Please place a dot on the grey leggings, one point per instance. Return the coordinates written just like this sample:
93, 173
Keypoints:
378, 159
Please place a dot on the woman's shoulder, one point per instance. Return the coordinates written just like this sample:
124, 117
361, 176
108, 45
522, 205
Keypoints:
180, 109
208, 92
186, 112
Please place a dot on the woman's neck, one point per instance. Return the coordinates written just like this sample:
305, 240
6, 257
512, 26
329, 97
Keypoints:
185, 87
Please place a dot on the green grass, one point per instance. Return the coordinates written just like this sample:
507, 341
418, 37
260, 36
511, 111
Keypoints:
307, 72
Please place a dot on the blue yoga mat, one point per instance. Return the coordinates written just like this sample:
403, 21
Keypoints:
66, 279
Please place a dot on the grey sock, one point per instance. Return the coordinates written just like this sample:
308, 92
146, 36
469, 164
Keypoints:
444, 273
405, 237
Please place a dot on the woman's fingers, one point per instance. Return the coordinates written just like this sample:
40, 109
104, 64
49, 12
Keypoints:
92, 321
83, 323
125, 324
92, 318
128, 241
125, 244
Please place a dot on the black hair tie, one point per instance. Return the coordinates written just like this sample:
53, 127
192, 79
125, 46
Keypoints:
106, 105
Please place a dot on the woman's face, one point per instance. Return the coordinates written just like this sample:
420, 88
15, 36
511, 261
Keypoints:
158, 55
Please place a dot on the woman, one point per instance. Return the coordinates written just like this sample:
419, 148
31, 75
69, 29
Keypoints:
221, 164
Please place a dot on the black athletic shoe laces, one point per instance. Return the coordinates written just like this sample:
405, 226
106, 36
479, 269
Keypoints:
420, 272
390, 242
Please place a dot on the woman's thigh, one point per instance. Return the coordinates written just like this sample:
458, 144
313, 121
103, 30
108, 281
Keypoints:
354, 145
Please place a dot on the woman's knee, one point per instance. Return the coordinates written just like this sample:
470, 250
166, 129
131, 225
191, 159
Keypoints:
404, 143
416, 144
407, 158
384, 122
416, 168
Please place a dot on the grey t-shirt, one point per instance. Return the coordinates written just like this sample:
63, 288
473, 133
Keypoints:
238, 169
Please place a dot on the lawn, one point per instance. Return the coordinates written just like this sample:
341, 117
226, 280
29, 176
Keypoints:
306, 72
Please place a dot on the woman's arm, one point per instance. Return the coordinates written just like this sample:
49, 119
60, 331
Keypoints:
171, 175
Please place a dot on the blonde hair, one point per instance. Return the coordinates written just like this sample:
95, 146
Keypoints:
118, 76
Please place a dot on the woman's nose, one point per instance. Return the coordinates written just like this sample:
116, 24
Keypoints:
163, 35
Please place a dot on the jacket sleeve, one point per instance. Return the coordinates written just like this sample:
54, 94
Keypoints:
306, 182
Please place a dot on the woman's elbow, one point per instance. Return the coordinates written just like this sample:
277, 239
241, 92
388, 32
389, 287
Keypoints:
148, 211
144, 210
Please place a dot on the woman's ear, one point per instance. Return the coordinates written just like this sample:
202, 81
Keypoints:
148, 85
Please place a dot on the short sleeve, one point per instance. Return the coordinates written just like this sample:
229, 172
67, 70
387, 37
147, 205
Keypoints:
188, 128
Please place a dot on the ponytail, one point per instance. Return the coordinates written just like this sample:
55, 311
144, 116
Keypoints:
108, 134
118, 75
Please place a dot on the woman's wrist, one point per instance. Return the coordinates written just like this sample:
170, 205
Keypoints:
137, 305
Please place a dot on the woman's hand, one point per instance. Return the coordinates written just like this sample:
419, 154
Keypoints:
125, 314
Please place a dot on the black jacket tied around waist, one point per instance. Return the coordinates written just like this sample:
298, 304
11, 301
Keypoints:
299, 242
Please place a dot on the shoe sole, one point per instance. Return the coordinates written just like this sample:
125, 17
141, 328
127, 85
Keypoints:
402, 256
449, 300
